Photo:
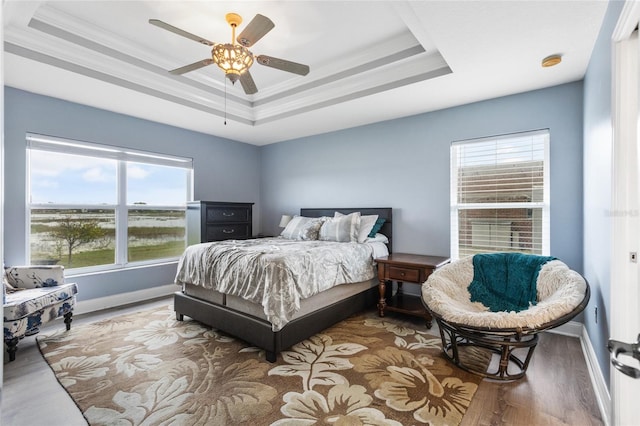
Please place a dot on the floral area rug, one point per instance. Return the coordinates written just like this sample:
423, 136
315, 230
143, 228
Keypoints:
147, 368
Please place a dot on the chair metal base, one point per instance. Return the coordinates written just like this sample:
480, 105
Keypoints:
511, 366
501, 341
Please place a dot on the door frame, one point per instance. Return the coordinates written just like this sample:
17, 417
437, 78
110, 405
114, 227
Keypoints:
625, 274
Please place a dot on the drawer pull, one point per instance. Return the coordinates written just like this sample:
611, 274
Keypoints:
228, 231
228, 214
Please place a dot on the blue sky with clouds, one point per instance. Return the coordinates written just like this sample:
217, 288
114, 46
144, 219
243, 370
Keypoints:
71, 179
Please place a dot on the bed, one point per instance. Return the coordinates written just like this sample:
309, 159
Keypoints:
246, 320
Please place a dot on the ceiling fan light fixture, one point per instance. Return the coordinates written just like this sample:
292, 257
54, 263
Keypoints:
233, 59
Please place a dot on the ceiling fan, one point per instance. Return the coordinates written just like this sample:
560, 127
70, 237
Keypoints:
234, 58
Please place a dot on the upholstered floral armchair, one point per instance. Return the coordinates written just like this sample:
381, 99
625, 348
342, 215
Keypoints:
34, 295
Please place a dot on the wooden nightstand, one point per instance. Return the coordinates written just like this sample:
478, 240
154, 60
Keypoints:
410, 268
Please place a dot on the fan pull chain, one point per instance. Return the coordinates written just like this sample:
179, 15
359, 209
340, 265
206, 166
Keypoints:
225, 101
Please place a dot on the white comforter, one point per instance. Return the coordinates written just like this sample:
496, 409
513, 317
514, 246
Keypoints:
275, 272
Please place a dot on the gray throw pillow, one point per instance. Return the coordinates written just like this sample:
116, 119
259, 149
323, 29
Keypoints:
342, 229
302, 228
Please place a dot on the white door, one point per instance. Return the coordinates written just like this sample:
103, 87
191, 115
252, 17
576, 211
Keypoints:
625, 265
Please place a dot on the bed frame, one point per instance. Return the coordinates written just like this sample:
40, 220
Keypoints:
257, 331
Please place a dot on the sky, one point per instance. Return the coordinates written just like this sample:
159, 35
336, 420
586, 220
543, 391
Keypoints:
62, 178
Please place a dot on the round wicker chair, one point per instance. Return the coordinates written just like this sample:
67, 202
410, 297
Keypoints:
468, 327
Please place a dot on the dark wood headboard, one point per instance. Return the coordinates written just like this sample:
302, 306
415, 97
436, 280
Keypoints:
382, 212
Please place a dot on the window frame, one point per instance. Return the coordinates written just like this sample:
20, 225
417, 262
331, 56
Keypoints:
544, 205
122, 156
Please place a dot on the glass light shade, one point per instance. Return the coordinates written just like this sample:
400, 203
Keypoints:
285, 220
233, 59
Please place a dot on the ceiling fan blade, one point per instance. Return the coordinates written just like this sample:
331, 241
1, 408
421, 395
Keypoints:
255, 30
192, 67
283, 65
183, 33
248, 84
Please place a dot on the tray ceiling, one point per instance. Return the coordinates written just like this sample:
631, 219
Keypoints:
370, 60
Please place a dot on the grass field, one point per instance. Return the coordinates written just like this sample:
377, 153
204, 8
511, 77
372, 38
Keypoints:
151, 234
107, 256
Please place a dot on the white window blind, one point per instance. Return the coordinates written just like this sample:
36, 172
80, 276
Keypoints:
500, 194
54, 144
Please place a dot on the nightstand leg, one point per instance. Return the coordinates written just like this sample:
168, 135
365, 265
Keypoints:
428, 319
382, 303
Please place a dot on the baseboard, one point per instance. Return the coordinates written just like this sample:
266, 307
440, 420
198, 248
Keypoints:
597, 380
100, 303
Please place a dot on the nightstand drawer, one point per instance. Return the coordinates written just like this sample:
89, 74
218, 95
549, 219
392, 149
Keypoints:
228, 232
404, 274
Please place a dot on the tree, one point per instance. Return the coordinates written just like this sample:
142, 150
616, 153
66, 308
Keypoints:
75, 233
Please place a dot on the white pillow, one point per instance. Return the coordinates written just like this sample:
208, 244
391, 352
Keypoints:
366, 225
342, 229
302, 228
378, 238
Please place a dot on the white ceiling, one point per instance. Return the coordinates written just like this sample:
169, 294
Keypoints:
370, 60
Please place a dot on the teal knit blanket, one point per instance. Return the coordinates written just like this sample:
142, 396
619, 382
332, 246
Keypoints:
506, 281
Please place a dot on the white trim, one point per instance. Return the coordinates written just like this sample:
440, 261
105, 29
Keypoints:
627, 22
91, 149
597, 379
107, 302
624, 276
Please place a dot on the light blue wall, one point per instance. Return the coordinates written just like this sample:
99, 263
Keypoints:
401, 163
598, 147
404, 164
224, 170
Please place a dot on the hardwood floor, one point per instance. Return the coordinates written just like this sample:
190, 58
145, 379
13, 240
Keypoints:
556, 391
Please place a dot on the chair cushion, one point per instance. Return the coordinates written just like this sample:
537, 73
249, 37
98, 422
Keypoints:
23, 303
559, 291
35, 276
20, 327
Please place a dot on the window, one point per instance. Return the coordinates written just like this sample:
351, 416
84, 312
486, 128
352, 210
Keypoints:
94, 207
500, 194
